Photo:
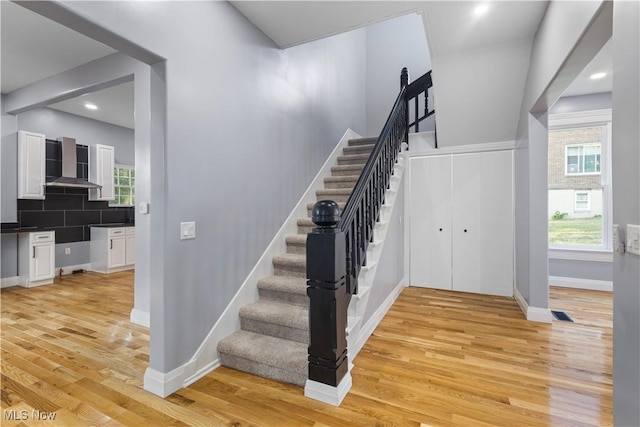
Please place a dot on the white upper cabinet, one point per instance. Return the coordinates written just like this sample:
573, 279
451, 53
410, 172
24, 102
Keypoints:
101, 164
31, 165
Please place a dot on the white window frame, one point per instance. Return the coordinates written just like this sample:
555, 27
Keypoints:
590, 119
116, 186
583, 145
588, 200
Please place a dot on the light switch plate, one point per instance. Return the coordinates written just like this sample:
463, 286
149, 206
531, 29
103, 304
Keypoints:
187, 230
144, 208
633, 239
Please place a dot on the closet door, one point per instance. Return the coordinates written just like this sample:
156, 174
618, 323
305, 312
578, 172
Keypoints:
497, 223
430, 215
466, 223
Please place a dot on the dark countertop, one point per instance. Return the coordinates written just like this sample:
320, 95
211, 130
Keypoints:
9, 228
115, 225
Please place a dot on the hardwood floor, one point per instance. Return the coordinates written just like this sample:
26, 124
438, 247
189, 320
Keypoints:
438, 358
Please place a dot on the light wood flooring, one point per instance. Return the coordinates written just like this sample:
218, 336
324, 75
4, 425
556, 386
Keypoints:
437, 358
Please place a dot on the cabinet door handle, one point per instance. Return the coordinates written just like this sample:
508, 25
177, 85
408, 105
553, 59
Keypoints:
34, 252
465, 230
111, 243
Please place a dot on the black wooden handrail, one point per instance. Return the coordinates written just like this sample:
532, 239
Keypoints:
337, 246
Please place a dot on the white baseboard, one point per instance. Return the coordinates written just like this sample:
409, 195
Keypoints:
205, 359
163, 384
534, 314
140, 317
8, 282
69, 269
326, 393
376, 318
577, 283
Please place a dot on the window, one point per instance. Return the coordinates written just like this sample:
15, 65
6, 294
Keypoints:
124, 179
582, 201
583, 159
579, 180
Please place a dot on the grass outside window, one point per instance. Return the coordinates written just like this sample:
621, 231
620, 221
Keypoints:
576, 231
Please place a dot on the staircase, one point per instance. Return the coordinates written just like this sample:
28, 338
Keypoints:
274, 333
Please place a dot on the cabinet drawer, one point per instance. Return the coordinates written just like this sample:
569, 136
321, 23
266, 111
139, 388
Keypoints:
42, 237
131, 231
116, 232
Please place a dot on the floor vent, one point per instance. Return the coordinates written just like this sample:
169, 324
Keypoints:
561, 315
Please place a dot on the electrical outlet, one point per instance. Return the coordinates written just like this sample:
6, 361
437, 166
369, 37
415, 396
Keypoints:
67, 251
187, 230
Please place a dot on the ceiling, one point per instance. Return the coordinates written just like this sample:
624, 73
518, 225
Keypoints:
34, 48
601, 63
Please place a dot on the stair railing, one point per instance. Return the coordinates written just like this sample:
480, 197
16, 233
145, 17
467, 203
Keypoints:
337, 247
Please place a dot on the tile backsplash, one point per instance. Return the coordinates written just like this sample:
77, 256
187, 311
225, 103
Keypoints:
68, 210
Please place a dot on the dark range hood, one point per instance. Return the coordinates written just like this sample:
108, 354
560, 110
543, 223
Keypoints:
69, 176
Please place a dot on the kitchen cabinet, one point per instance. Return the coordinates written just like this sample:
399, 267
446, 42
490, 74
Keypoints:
31, 165
112, 249
461, 222
130, 245
101, 165
36, 258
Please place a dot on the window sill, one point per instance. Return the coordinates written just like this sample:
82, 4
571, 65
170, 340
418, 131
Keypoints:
595, 255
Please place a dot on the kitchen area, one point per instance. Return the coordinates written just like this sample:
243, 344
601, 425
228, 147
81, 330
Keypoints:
74, 210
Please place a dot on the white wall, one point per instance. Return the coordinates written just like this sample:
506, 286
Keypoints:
626, 210
392, 45
479, 93
248, 125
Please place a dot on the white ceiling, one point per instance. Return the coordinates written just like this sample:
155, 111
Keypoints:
34, 48
601, 63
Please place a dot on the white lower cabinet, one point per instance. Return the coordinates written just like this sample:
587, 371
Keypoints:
109, 249
461, 216
36, 258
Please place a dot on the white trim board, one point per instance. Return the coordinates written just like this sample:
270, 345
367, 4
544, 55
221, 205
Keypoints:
7, 282
577, 283
461, 149
205, 359
580, 255
326, 393
533, 314
139, 317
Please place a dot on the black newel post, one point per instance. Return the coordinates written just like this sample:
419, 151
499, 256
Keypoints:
326, 271
404, 81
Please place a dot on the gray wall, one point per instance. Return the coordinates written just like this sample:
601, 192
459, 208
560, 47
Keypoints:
626, 210
391, 263
392, 45
580, 269
8, 207
572, 268
478, 93
561, 29
243, 118
572, 104
86, 131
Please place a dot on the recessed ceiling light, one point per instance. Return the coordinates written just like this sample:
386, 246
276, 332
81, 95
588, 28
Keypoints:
597, 76
91, 106
481, 9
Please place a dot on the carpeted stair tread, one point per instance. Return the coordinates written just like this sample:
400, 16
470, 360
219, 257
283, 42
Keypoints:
363, 141
348, 178
292, 285
334, 191
344, 170
353, 159
277, 313
358, 149
265, 356
294, 265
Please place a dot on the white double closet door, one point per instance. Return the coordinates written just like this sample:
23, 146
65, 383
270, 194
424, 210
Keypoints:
461, 216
